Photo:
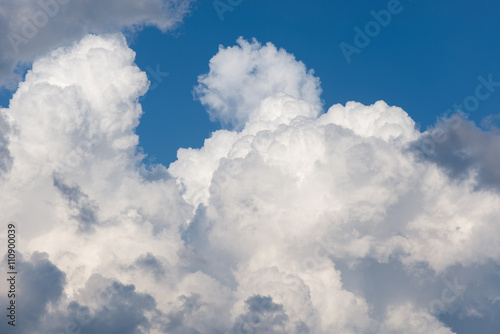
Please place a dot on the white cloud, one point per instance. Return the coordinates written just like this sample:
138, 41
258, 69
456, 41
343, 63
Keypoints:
241, 76
307, 222
32, 28
409, 320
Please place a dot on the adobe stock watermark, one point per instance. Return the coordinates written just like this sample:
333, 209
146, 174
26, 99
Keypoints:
156, 77
483, 91
450, 293
34, 23
373, 28
223, 6
76, 157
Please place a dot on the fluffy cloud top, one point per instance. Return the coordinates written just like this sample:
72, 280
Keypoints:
31, 28
294, 222
241, 76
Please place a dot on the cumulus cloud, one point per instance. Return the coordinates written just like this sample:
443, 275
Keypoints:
241, 76
32, 28
295, 221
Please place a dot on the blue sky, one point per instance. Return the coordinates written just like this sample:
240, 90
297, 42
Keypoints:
289, 214
427, 59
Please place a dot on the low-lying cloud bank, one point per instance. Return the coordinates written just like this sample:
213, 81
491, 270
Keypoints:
297, 221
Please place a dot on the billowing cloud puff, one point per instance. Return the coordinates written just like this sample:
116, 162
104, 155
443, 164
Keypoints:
296, 221
31, 28
241, 76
